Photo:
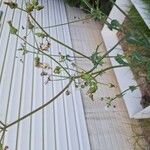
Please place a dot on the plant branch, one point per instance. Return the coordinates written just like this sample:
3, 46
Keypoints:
71, 22
44, 54
75, 51
39, 108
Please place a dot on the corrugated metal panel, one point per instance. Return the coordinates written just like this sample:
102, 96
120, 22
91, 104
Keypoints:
61, 125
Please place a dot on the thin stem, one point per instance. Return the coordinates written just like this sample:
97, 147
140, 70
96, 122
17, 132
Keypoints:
109, 51
118, 95
71, 22
59, 76
67, 68
22, 9
101, 71
76, 57
106, 69
39, 108
75, 51
36, 42
44, 54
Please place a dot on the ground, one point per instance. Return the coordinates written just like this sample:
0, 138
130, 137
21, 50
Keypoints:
108, 129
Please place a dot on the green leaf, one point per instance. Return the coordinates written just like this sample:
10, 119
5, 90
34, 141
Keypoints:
1, 146
20, 49
41, 34
12, 29
96, 59
39, 7
148, 75
115, 23
35, 2
135, 39
87, 77
29, 7
148, 71
120, 60
136, 56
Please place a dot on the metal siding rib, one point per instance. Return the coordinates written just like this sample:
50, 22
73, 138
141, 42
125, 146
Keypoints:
14, 95
48, 93
60, 121
76, 96
59, 126
68, 102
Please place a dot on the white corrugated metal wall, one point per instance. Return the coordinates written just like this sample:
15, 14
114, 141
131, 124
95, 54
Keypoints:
61, 125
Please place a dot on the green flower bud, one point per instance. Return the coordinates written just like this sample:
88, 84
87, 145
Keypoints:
57, 70
37, 61
29, 24
93, 88
11, 4
67, 92
82, 86
12, 30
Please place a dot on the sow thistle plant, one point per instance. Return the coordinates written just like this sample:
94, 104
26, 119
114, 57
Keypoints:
85, 79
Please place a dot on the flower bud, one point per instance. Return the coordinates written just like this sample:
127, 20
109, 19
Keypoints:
11, 4
12, 30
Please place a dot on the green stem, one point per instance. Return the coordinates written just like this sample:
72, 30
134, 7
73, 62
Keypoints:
75, 51
76, 57
109, 51
101, 71
106, 69
45, 54
71, 22
39, 108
